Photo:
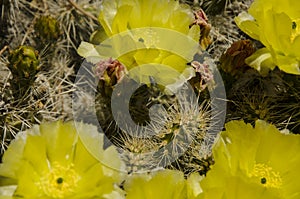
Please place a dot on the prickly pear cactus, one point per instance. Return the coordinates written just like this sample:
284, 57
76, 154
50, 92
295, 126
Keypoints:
47, 28
24, 65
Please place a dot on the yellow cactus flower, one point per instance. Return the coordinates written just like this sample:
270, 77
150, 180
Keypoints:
50, 161
120, 15
254, 162
149, 33
164, 184
276, 24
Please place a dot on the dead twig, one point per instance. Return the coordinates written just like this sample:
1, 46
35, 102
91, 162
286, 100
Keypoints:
3, 49
76, 6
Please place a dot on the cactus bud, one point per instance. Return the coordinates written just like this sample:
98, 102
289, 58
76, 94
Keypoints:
23, 62
47, 28
233, 60
110, 72
24, 65
202, 21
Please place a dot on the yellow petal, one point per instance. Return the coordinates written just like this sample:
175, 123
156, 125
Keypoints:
95, 183
83, 160
120, 22
261, 60
107, 14
60, 141
35, 153
27, 182
194, 33
13, 156
193, 185
288, 64
89, 52
92, 146
248, 25
165, 184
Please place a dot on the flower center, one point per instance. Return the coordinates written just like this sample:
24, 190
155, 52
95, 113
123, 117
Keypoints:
60, 182
147, 36
295, 29
266, 176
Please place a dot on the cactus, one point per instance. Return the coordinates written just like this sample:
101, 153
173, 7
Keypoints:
253, 97
24, 65
47, 29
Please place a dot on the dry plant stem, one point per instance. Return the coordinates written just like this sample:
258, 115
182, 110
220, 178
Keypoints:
3, 49
82, 11
29, 30
33, 6
45, 5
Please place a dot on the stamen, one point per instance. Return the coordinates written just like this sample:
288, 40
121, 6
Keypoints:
59, 182
266, 175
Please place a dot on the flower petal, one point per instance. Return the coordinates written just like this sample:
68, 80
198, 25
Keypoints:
60, 141
13, 156
261, 60
193, 185
248, 25
165, 184
35, 153
27, 182
92, 142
